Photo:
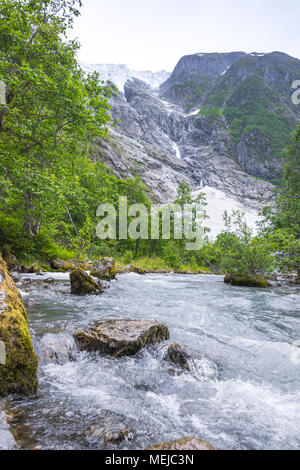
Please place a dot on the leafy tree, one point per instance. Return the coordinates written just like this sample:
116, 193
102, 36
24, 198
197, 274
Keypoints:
242, 254
53, 112
281, 224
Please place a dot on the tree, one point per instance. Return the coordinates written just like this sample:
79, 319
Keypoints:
53, 112
244, 257
281, 224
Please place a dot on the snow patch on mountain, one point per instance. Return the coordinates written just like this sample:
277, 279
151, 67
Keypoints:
217, 203
120, 73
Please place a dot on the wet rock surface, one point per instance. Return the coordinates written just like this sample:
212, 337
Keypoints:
187, 443
110, 430
177, 355
104, 268
83, 284
18, 363
121, 337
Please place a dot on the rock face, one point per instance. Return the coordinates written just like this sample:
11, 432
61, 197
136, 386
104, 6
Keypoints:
187, 443
104, 268
18, 368
176, 355
82, 283
121, 337
219, 119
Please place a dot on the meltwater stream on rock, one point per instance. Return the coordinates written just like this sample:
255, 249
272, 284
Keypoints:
242, 390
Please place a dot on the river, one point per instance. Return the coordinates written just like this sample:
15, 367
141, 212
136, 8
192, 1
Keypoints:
242, 392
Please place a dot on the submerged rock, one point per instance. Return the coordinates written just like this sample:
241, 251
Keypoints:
55, 348
104, 268
18, 363
177, 355
82, 283
247, 281
187, 443
121, 337
110, 431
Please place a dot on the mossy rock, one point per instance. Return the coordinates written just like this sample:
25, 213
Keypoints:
187, 443
18, 373
83, 284
247, 281
104, 268
121, 337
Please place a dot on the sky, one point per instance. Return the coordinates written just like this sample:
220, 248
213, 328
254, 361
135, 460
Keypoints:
155, 34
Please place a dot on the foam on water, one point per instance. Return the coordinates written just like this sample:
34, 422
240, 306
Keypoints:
242, 390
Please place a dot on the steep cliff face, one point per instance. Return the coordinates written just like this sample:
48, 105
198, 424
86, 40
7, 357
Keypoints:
18, 363
219, 119
251, 98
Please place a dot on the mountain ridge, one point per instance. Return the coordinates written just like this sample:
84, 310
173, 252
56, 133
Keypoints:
230, 135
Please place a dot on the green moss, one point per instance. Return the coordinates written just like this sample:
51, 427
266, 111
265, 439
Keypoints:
247, 281
19, 373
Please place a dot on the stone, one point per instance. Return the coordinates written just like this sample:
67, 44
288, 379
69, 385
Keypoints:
61, 265
11, 262
18, 366
177, 355
118, 338
247, 281
187, 443
110, 430
104, 268
82, 283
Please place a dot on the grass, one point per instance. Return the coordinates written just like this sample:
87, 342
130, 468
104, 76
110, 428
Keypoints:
154, 264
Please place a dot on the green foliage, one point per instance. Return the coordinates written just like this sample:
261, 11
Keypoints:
211, 112
281, 224
252, 108
243, 255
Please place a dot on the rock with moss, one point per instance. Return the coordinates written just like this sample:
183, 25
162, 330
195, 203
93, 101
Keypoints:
187, 443
104, 268
83, 284
11, 262
247, 281
18, 362
121, 337
177, 355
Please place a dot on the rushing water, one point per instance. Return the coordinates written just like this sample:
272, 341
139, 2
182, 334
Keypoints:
243, 390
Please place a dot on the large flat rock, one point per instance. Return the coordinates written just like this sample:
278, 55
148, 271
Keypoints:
121, 337
187, 443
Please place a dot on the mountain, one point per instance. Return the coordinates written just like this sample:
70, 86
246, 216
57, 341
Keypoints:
219, 120
119, 74
249, 95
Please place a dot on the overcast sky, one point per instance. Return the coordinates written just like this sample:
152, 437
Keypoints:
154, 34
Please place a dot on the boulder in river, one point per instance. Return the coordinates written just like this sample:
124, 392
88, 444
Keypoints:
104, 268
187, 443
247, 281
18, 363
177, 355
82, 283
121, 337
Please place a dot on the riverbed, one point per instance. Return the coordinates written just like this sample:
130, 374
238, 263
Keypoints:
242, 390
